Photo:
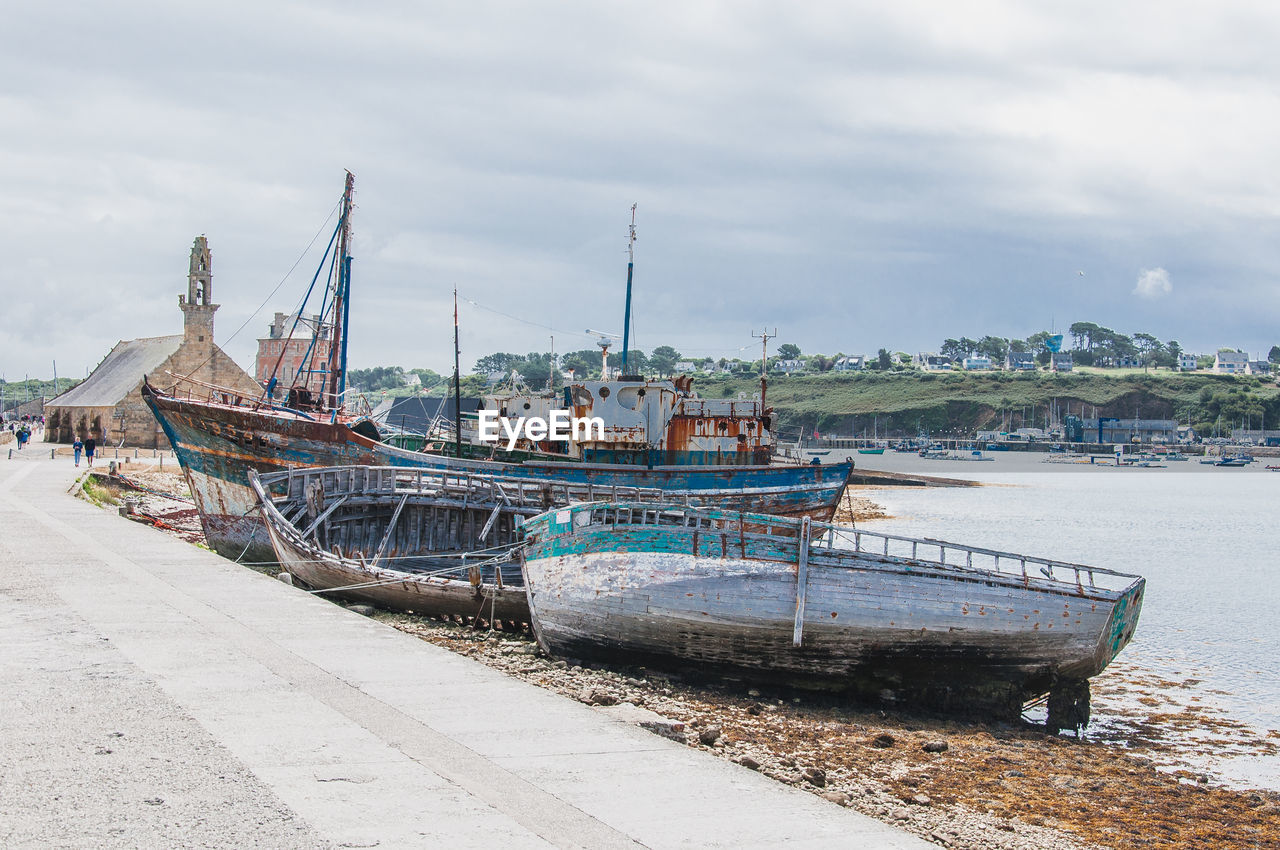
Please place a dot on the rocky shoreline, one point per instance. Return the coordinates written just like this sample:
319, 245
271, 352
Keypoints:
957, 783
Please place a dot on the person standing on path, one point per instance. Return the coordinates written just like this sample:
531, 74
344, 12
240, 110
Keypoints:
90, 446
77, 447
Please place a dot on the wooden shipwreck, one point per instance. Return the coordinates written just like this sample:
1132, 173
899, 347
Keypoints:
429, 542
218, 438
659, 434
899, 619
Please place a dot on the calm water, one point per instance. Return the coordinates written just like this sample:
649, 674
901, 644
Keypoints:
1204, 538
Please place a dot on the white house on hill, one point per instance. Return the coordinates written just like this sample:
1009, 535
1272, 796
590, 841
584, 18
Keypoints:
1230, 362
850, 363
1020, 361
931, 362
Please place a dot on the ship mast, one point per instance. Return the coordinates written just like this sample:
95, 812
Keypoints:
764, 336
626, 316
457, 382
341, 302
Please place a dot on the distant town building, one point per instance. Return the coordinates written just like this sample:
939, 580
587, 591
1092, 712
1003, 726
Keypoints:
850, 363
1122, 361
686, 366
293, 341
1255, 436
12, 408
1230, 362
108, 405
1257, 367
1124, 430
931, 362
1060, 361
789, 366
417, 414
976, 361
1186, 362
1020, 361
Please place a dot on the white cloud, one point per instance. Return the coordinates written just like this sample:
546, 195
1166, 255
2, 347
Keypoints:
1153, 283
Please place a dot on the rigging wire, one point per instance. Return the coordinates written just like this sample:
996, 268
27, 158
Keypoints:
558, 331
273, 292
287, 274
306, 358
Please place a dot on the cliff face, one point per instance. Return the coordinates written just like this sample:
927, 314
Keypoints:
905, 402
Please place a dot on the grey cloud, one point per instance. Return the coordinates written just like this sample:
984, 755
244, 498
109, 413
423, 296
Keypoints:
859, 175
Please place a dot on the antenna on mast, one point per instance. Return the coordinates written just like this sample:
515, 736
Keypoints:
764, 336
631, 262
605, 341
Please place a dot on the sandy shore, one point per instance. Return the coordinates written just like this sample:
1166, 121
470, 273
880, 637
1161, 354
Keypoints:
961, 784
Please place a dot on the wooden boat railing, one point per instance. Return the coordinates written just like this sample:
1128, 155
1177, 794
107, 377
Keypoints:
339, 482
887, 547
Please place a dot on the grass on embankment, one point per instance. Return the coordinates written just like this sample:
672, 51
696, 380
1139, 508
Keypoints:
966, 399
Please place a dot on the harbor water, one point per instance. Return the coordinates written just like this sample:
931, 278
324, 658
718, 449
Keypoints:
1209, 639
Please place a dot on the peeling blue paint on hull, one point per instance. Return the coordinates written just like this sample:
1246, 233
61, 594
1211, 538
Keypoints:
947, 638
217, 444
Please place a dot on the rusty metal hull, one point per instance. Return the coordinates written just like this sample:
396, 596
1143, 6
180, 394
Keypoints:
646, 422
882, 627
217, 444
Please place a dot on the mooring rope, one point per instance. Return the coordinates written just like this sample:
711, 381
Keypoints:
424, 575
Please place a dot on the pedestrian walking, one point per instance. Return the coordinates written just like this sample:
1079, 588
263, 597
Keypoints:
90, 446
77, 447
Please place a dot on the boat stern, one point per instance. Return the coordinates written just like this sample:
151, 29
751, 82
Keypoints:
1121, 625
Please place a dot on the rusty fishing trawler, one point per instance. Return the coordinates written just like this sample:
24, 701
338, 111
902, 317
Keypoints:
218, 435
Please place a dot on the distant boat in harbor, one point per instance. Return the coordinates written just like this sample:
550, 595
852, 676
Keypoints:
875, 451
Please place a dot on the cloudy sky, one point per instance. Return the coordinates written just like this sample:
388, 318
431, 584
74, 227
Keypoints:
857, 175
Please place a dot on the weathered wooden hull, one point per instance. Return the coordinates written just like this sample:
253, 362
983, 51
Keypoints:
397, 590
384, 550
217, 444
891, 628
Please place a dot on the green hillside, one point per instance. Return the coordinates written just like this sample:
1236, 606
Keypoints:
941, 402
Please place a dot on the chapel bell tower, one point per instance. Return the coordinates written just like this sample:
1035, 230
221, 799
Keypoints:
197, 307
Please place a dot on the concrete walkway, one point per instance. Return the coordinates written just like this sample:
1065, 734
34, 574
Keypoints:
157, 695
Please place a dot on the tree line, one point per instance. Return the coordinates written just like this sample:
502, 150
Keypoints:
1090, 344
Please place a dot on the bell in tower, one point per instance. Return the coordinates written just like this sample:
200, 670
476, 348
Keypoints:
200, 277
198, 307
